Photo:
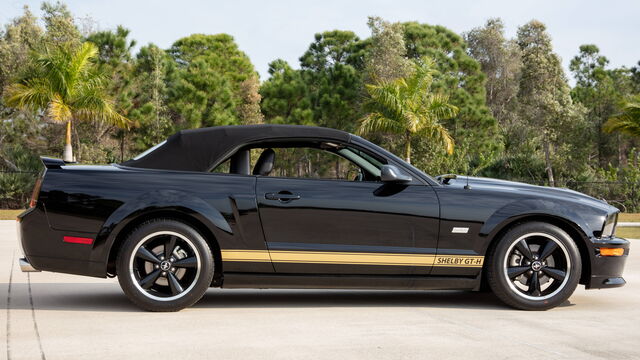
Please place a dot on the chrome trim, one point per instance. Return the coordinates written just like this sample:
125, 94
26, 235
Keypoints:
26, 266
460, 230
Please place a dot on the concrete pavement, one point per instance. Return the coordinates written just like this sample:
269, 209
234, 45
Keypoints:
57, 316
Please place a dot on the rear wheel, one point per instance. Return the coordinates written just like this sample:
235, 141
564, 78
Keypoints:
534, 266
165, 265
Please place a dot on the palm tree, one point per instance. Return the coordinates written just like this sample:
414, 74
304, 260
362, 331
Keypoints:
65, 85
408, 107
628, 121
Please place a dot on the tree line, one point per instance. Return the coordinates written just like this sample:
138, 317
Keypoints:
475, 103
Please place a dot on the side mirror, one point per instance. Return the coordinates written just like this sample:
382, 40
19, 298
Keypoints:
391, 174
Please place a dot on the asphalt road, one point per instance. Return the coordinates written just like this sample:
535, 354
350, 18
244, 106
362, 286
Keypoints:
57, 316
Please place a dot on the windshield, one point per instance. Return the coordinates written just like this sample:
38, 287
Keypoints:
394, 157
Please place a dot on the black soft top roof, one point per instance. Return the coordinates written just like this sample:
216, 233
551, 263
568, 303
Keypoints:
201, 149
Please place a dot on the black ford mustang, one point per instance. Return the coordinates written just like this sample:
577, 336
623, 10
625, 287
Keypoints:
270, 206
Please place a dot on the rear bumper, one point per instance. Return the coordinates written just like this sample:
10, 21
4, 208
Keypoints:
606, 271
43, 248
26, 266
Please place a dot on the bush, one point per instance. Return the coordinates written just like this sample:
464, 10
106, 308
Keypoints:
17, 180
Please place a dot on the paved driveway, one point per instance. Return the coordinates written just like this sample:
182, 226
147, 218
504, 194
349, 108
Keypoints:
56, 316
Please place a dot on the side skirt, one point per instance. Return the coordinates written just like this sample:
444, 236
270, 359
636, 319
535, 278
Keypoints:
296, 281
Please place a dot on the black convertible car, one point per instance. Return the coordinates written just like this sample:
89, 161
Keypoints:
274, 206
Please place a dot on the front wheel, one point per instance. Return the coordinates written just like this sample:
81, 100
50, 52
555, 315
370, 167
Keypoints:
534, 266
165, 265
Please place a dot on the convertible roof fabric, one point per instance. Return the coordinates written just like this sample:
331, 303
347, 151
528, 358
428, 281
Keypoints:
201, 149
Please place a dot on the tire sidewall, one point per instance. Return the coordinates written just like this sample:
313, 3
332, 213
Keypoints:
499, 283
133, 239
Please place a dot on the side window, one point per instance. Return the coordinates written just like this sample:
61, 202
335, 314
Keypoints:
321, 161
223, 167
310, 163
313, 163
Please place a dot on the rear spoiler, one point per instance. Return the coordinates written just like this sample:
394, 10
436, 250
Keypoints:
51, 163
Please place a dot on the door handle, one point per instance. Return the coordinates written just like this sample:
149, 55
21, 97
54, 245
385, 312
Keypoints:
283, 196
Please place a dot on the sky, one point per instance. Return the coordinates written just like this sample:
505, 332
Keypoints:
272, 29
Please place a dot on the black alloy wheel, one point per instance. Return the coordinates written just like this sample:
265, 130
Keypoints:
165, 265
534, 266
537, 266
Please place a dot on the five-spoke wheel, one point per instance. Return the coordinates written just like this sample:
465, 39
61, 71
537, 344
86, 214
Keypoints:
165, 265
537, 266
534, 266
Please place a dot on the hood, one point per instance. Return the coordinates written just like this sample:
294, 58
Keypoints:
523, 189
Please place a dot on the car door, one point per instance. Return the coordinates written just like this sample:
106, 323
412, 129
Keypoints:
326, 225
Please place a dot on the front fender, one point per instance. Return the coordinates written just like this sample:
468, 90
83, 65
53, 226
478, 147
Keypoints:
581, 217
159, 200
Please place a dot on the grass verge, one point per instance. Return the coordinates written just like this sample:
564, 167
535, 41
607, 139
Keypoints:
629, 217
9, 214
628, 232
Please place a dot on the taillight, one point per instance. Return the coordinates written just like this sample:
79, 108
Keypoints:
35, 193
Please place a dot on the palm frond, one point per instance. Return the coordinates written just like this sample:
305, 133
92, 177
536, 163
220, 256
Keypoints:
628, 121
58, 110
623, 124
96, 107
66, 85
376, 122
51, 66
33, 95
80, 66
386, 98
420, 81
439, 133
407, 106
440, 108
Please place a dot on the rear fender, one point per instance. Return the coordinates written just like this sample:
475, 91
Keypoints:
156, 201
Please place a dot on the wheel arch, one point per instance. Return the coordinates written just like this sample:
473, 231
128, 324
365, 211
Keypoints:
572, 229
173, 214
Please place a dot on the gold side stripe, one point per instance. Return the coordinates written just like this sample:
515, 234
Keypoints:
352, 258
246, 255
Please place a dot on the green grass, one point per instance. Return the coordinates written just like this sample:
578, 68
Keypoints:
628, 232
9, 214
629, 217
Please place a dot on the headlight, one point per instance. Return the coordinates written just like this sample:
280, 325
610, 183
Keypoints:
610, 225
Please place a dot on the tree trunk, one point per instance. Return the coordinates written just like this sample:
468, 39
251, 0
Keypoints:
601, 160
122, 134
622, 152
407, 147
78, 156
67, 154
547, 161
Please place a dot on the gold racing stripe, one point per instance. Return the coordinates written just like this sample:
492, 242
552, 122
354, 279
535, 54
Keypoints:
246, 255
352, 258
355, 258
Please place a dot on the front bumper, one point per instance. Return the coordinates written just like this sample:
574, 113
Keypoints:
606, 271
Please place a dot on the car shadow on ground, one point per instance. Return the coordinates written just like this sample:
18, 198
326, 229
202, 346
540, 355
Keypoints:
109, 297
217, 298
